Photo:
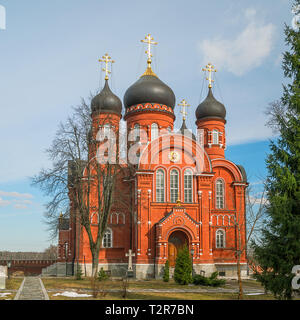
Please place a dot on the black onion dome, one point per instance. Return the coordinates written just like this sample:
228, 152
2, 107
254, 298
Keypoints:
210, 108
106, 101
149, 89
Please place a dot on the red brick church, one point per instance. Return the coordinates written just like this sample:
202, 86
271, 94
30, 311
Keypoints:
185, 191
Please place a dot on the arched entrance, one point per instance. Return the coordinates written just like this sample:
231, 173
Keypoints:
177, 240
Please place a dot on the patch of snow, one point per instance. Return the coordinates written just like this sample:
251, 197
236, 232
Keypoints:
72, 295
254, 294
3, 295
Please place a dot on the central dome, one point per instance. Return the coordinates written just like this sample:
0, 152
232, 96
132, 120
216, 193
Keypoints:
149, 89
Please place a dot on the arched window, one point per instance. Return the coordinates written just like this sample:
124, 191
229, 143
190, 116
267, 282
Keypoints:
220, 194
154, 131
169, 129
66, 247
106, 131
160, 186
94, 218
200, 137
117, 218
215, 137
188, 186
220, 239
136, 132
107, 239
174, 185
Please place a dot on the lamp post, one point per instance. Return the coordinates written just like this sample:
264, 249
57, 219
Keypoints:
192, 253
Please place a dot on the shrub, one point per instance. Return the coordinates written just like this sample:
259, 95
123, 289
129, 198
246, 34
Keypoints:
95, 287
102, 275
183, 267
211, 281
166, 277
79, 273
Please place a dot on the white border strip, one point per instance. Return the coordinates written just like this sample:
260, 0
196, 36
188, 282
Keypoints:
44, 290
17, 296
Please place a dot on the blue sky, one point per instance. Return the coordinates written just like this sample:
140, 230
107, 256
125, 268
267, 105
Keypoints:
49, 59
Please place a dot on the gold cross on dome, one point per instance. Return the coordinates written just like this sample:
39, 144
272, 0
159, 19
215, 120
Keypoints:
184, 106
106, 59
210, 69
149, 40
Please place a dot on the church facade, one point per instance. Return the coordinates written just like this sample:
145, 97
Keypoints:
184, 191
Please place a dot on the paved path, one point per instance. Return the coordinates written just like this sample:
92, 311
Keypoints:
32, 288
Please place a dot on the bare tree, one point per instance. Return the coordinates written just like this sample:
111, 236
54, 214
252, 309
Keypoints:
251, 222
277, 115
69, 144
51, 252
77, 175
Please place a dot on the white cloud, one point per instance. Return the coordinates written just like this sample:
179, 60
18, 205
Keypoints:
244, 52
19, 200
16, 195
4, 203
20, 206
258, 200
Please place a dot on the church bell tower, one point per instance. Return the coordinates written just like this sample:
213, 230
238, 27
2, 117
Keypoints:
210, 116
106, 110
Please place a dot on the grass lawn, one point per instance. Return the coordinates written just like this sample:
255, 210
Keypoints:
166, 296
58, 285
12, 286
71, 283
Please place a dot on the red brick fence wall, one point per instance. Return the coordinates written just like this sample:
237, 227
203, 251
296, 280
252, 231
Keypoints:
29, 267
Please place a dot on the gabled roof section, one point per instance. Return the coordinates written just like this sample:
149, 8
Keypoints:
174, 212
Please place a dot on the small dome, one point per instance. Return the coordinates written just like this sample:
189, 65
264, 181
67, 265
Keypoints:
186, 132
106, 101
210, 108
243, 172
149, 89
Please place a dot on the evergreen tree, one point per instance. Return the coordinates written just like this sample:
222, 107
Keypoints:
183, 267
279, 248
79, 273
102, 275
166, 277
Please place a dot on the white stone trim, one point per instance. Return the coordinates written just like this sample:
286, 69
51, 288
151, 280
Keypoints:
230, 263
17, 296
144, 173
44, 290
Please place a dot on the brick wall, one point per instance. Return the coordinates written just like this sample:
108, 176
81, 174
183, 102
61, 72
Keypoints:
29, 267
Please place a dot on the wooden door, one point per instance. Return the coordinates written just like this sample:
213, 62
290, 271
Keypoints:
172, 254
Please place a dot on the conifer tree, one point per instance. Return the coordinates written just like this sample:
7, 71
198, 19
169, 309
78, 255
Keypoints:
183, 267
279, 248
166, 277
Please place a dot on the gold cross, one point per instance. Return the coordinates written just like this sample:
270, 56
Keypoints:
210, 69
148, 40
106, 59
184, 106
